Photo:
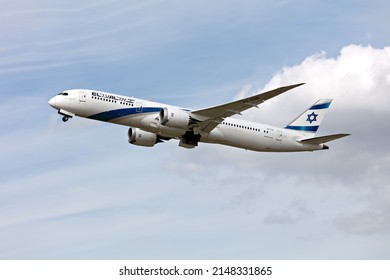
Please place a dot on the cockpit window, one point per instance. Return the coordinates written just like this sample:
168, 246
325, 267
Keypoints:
63, 93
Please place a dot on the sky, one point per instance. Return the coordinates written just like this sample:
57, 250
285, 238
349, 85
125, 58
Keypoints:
79, 190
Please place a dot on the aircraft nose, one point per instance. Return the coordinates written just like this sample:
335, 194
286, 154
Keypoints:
52, 102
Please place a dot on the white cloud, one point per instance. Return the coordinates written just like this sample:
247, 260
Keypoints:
358, 80
293, 214
374, 218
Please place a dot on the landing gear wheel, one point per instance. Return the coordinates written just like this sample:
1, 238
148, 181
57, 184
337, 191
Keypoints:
65, 118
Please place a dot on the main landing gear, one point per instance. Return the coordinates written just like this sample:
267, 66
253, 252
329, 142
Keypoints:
65, 118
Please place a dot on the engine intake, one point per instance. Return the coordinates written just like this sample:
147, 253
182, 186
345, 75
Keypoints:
143, 138
174, 117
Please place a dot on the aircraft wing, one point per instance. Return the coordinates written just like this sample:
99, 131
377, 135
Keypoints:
207, 119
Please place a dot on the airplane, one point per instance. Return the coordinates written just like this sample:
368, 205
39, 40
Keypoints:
151, 122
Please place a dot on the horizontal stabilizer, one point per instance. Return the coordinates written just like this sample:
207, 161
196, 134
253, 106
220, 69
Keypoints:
323, 139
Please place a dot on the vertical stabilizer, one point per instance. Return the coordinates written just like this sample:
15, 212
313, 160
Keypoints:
309, 122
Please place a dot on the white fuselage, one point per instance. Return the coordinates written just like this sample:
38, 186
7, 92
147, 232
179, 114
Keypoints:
143, 114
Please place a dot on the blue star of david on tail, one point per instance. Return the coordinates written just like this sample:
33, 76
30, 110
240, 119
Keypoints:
312, 117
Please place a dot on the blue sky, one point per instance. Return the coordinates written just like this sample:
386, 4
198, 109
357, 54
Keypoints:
80, 191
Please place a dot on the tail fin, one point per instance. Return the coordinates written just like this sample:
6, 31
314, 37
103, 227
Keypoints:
309, 122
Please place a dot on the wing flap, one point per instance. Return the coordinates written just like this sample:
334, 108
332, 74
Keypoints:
323, 139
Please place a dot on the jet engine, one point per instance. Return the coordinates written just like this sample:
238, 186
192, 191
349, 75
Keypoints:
174, 117
143, 138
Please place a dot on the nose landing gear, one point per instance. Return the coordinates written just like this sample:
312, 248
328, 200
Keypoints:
65, 115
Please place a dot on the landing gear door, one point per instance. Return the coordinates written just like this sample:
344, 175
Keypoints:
83, 97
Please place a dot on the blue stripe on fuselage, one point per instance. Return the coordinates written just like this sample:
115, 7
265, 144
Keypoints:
304, 128
117, 113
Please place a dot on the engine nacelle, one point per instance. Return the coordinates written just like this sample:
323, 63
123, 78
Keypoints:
174, 117
143, 138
